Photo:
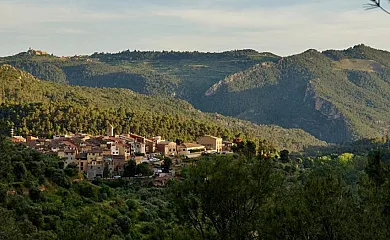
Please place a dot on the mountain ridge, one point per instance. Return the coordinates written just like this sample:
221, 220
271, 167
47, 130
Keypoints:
333, 92
336, 95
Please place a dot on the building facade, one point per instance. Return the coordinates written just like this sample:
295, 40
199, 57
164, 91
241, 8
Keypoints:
211, 143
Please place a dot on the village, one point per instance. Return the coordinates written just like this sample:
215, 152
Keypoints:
106, 156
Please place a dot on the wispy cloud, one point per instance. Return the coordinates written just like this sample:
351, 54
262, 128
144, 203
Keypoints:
284, 26
21, 14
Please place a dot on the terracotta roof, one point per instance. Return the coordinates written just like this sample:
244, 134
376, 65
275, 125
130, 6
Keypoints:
95, 151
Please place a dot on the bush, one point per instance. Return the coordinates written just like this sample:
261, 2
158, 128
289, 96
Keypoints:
87, 190
35, 194
71, 170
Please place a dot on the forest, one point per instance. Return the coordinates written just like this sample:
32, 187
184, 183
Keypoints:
265, 195
279, 183
44, 109
337, 96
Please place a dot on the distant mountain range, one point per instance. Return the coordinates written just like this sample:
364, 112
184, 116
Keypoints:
337, 96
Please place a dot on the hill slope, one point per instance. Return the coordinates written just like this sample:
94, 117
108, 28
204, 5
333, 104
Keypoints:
336, 95
46, 108
184, 74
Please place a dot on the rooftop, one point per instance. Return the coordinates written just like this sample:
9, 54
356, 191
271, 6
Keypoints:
192, 145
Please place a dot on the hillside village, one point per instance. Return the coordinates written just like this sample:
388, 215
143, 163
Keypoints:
106, 156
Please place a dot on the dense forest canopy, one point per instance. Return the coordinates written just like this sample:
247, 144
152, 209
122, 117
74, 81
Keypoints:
337, 96
45, 109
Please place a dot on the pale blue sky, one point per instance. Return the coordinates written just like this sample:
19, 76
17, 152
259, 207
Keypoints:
281, 26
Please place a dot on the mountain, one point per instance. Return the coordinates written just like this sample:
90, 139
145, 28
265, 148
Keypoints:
337, 96
45, 108
186, 75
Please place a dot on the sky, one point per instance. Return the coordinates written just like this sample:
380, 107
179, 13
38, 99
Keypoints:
284, 27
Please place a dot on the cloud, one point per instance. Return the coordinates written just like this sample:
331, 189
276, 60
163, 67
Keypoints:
25, 14
285, 28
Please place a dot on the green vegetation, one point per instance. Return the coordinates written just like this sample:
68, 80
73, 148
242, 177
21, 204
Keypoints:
265, 196
331, 197
45, 109
337, 96
39, 200
184, 74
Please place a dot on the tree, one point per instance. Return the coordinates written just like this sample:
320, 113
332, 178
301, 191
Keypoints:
247, 148
167, 164
376, 169
19, 170
222, 197
130, 169
71, 170
284, 156
8, 226
374, 4
143, 169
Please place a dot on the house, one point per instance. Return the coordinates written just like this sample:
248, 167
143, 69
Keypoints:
95, 171
18, 139
190, 148
119, 163
157, 139
150, 146
211, 143
82, 162
167, 148
114, 150
95, 155
85, 146
124, 150
70, 157
109, 165
139, 147
142, 144
69, 145
31, 138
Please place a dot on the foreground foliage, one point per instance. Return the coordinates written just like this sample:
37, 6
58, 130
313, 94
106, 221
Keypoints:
344, 197
40, 200
219, 197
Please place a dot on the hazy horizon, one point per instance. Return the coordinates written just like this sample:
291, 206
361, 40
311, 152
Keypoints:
151, 50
